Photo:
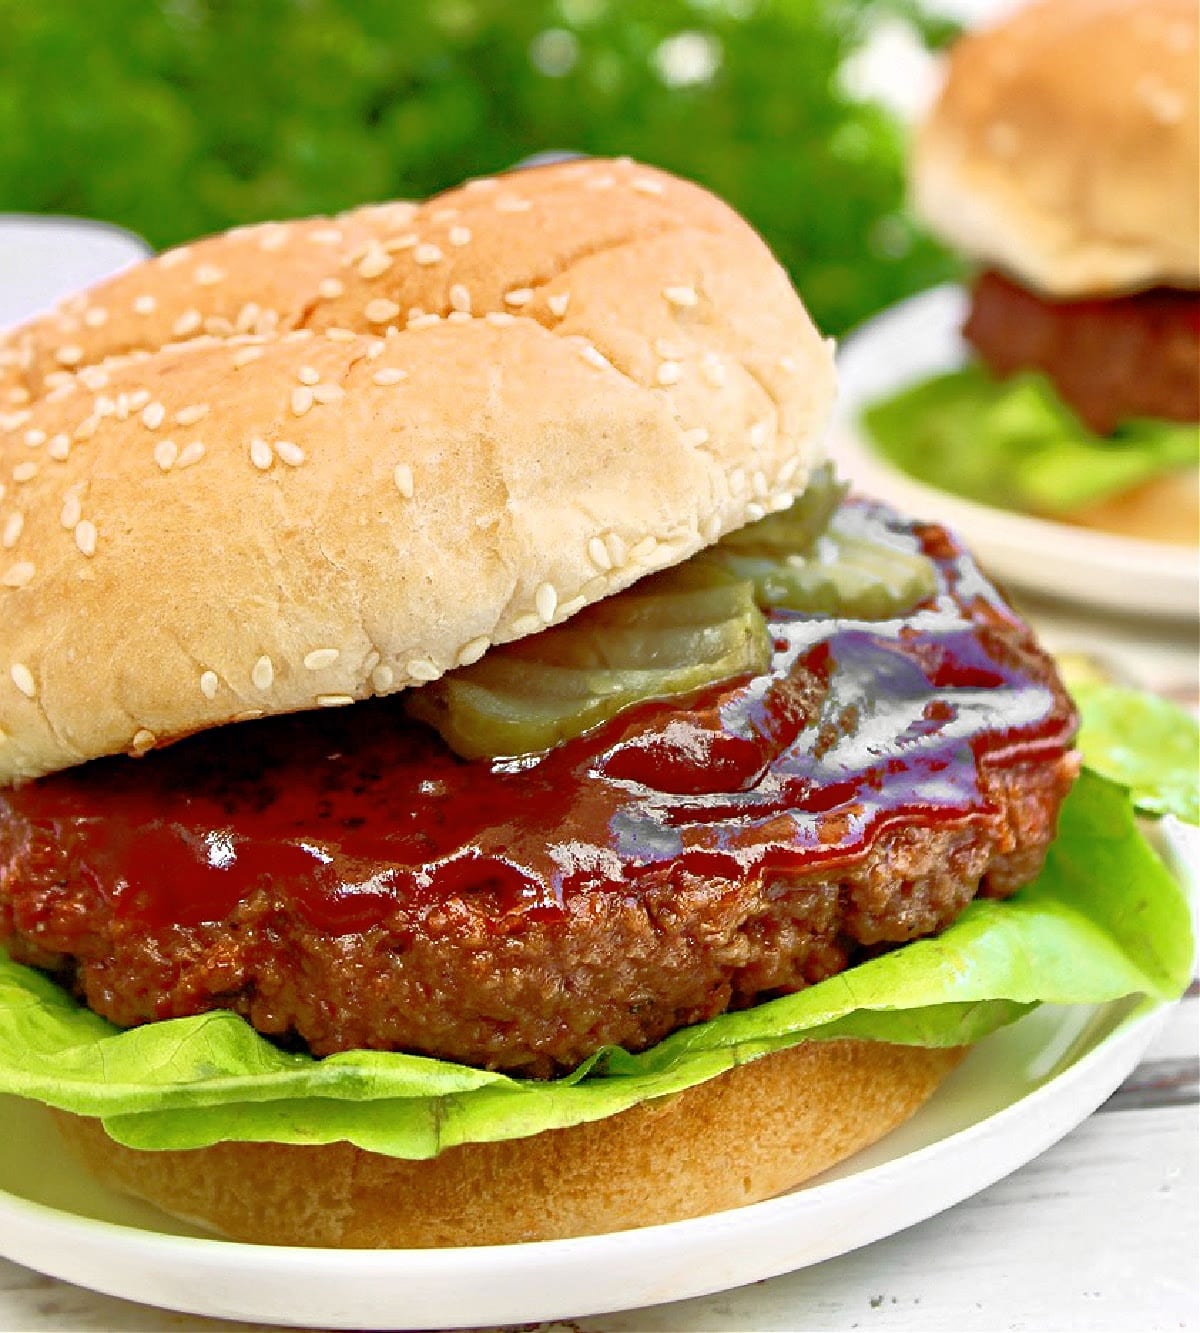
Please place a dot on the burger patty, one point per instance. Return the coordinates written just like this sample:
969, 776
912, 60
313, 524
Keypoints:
342, 880
1111, 360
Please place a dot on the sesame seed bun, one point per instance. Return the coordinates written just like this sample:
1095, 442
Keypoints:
460, 422
770, 1124
1064, 145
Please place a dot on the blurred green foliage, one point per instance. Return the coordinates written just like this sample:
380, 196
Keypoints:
179, 117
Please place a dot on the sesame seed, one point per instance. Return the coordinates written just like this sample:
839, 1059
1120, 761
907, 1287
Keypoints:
519, 296
379, 311
737, 480
95, 317
427, 253
248, 316
302, 400
187, 323
641, 549
695, 438
34, 438
389, 375
188, 416
336, 335
209, 684
18, 575
23, 679
248, 715
165, 454
260, 453
598, 554
59, 447
263, 673
781, 501
789, 469
526, 625
308, 375
459, 236
458, 317
460, 297
423, 321
320, 658
327, 236
273, 236
546, 601
190, 453
208, 275
137, 399
144, 304
472, 650
712, 528
69, 355
85, 536
329, 393
245, 355
758, 433
605, 182
375, 349
376, 262
713, 371
646, 185
558, 303
330, 288
510, 203
402, 475
334, 700
382, 678
143, 740
594, 357
668, 373
617, 552
394, 244
682, 297
218, 326
755, 511
759, 485
289, 453
25, 471
480, 183
72, 510
12, 530
501, 319
568, 609
421, 668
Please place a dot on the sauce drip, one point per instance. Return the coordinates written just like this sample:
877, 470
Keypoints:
345, 816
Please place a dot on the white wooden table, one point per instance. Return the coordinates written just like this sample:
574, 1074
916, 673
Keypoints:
1100, 1233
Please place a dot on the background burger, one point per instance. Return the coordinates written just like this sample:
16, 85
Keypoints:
467, 768
1061, 159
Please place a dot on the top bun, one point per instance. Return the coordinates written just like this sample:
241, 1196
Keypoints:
1064, 147
440, 427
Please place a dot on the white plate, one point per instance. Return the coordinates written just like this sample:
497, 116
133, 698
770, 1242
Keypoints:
1018, 1092
919, 338
43, 259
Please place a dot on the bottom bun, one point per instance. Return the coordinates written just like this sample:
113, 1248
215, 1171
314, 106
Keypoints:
1166, 509
748, 1134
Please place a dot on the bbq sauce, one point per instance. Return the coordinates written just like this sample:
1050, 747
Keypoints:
346, 817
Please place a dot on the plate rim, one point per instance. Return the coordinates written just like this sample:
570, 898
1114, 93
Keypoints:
1097, 1070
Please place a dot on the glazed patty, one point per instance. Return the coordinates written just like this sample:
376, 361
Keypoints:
343, 881
1111, 360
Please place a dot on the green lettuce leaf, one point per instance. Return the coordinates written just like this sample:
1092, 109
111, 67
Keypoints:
1147, 744
1016, 444
1104, 920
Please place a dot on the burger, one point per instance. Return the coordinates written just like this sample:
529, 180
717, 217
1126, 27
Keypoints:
471, 775
1061, 159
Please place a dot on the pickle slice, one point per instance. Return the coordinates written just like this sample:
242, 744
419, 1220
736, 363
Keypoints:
844, 575
672, 633
794, 530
